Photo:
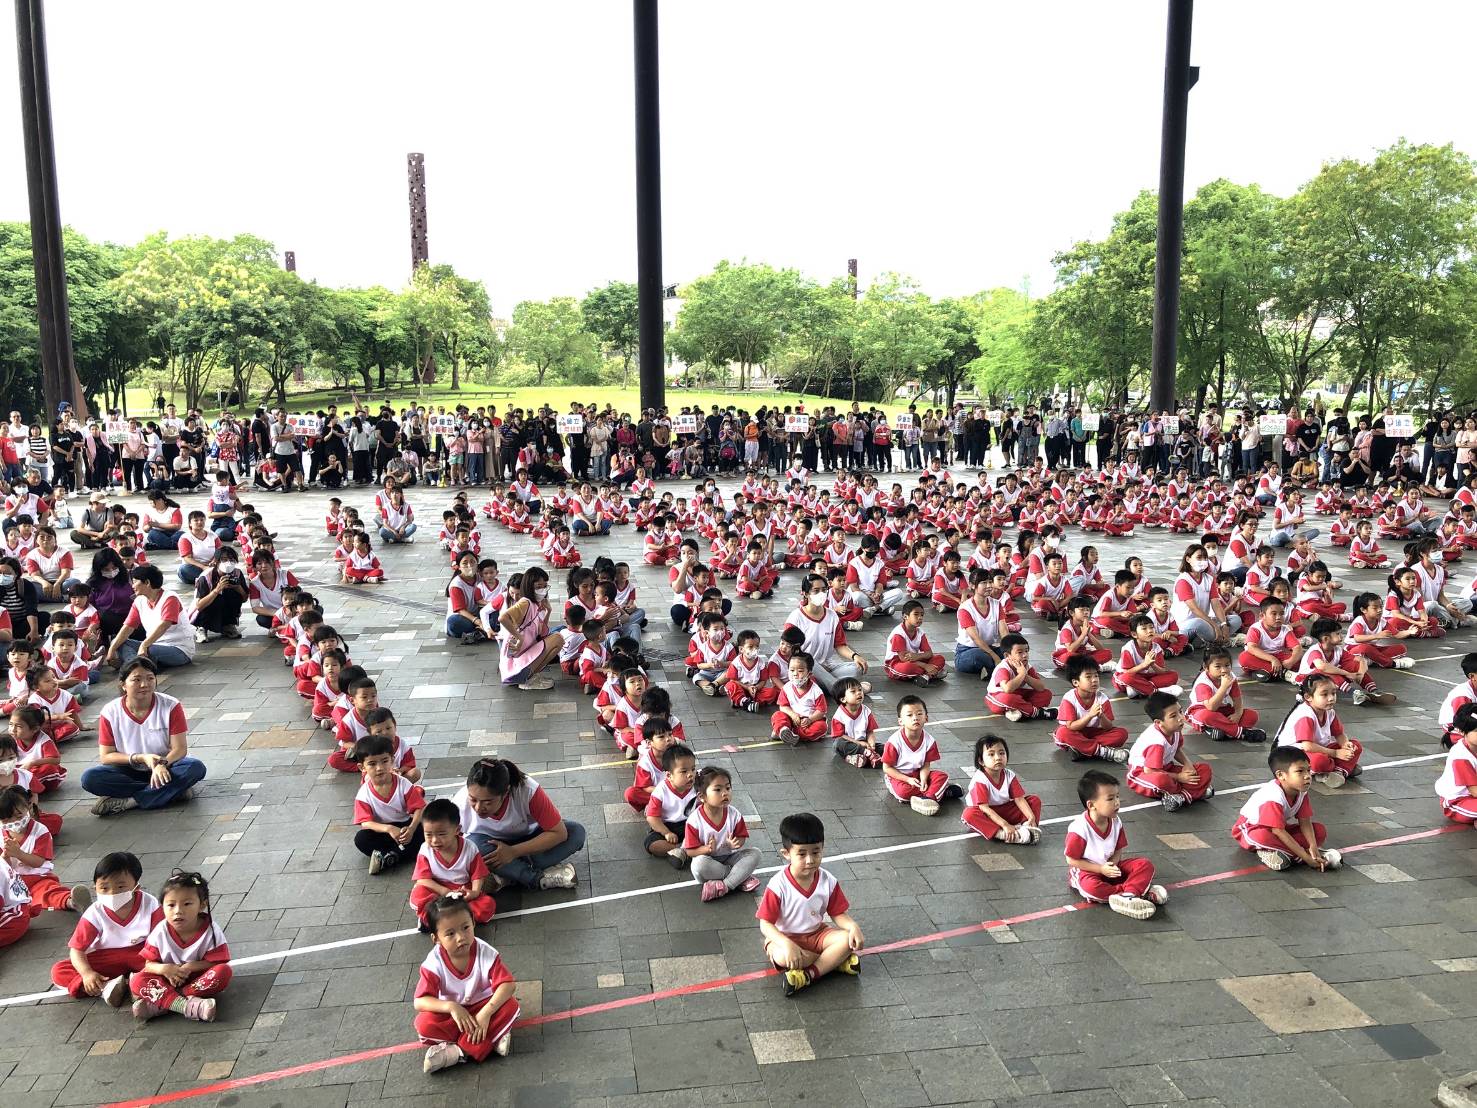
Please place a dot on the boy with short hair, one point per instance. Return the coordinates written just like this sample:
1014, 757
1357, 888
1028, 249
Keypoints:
1078, 638
909, 657
672, 798
1277, 819
1141, 669
1016, 690
449, 864
1085, 724
1272, 651
792, 912
1156, 764
1095, 846
907, 761
388, 807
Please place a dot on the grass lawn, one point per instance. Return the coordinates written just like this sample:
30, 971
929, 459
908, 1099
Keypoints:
558, 397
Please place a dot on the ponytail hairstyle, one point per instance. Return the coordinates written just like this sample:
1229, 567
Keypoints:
1310, 685
497, 775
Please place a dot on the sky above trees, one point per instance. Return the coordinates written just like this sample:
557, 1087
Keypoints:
964, 145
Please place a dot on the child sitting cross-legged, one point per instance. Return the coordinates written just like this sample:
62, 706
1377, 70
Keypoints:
1157, 767
1016, 690
464, 1002
107, 944
388, 806
800, 715
672, 798
1095, 847
1085, 726
908, 758
997, 805
1277, 819
716, 837
792, 913
448, 864
1314, 727
854, 727
186, 959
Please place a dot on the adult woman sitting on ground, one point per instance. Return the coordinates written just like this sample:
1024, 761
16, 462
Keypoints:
525, 645
219, 594
516, 827
168, 638
143, 747
112, 592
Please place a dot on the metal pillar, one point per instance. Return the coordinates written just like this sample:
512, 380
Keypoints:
58, 374
851, 276
649, 206
420, 254
1179, 77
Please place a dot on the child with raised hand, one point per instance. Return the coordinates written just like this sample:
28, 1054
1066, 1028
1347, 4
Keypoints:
464, 1002
38, 753
1085, 724
907, 761
854, 727
1078, 638
793, 910
1272, 651
107, 945
1349, 673
26, 844
449, 865
388, 808
1215, 701
1141, 669
186, 959
1314, 727
1016, 690
1276, 822
800, 713
750, 680
1157, 767
672, 798
1095, 846
908, 656
716, 837
996, 804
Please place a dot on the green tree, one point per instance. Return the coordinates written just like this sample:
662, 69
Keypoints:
1008, 365
550, 336
899, 334
822, 340
737, 314
611, 314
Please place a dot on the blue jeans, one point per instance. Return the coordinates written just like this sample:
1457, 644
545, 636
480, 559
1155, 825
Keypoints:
129, 781
971, 659
188, 573
459, 625
527, 870
389, 536
600, 463
165, 657
475, 463
156, 539
580, 527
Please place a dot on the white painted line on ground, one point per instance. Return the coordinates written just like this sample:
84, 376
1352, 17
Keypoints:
628, 894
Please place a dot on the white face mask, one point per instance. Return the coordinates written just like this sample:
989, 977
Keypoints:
15, 826
228, 567
1198, 564
541, 593
111, 572
115, 901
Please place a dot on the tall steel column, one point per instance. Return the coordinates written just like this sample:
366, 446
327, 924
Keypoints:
1179, 77
649, 206
58, 374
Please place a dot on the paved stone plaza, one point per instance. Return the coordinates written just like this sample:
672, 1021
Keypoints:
1353, 987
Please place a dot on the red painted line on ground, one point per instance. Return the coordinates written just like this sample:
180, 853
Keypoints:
722, 982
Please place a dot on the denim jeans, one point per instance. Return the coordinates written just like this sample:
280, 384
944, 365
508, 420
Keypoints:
971, 659
475, 467
188, 573
1199, 632
165, 657
580, 527
459, 625
389, 536
527, 870
130, 781
600, 463
157, 539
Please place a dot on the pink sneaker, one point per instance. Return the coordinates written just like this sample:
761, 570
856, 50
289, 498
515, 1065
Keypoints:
200, 1008
712, 890
750, 885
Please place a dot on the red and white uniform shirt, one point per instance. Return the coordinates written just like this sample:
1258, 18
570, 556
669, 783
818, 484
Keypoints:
667, 804
1306, 725
1268, 806
526, 812
898, 753
702, 831
899, 642
403, 800
1458, 775
985, 793
1085, 841
485, 972
104, 929
854, 727
35, 839
794, 910
457, 872
164, 944
1279, 643
127, 734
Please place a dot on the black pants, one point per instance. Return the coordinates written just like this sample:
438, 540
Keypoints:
367, 842
224, 611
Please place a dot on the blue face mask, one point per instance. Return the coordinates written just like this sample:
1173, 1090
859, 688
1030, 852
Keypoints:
6, 580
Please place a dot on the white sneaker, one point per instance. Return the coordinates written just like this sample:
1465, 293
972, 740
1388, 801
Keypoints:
537, 683
202, 635
1109, 666
441, 1056
1359, 696
1274, 859
1173, 690
1157, 893
504, 1046
924, 806
854, 625
1333, 779
1405, 663
560, 876
1332, 858
1238, 639
1289, 676
1134, 907
1013, 715
1117, 754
